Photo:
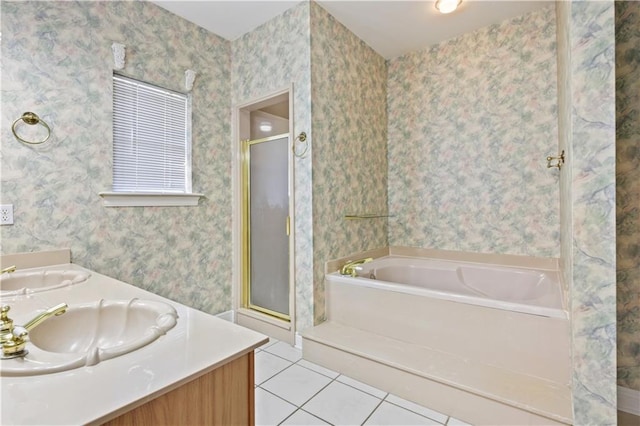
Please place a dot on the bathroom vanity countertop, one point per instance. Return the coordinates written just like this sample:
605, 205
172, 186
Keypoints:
198, 344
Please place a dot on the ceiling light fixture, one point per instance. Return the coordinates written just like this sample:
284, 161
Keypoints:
265, 126
447, 6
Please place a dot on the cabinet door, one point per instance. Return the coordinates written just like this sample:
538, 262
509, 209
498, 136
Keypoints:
224, 396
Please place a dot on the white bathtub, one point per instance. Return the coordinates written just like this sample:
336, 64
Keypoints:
530, 291
484, 342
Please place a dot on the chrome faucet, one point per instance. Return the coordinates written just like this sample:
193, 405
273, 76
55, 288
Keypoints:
350, 267
14, 339
9, 269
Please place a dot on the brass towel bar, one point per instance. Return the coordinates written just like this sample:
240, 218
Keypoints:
365, 216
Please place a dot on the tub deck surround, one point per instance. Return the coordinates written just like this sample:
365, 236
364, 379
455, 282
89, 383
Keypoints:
474, 392
484, 258
485, 365
197, 345
532, 291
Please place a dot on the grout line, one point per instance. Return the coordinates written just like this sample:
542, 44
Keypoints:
384, 398
279, 397
372, 411
415, 412
315, 394
304, 411
271, 353
285, 419
317, 417
363, 391
271, 377
299, 407
271, 342
310, 369
288, 360
309, 399
333, 379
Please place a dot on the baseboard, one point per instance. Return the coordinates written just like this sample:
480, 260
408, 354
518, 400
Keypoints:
298, 341
227, 316
275, 329
231, 317
629, 400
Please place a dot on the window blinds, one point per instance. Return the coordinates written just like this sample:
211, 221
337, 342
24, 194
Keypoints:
151, 147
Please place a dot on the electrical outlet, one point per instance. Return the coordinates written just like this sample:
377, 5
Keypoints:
6, 214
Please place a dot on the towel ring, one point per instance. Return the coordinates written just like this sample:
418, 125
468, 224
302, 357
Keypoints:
302, 137
31, 118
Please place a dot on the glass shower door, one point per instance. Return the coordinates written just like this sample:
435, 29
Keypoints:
266, 216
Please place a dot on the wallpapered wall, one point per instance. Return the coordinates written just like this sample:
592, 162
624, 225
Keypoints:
264, 61
57, 62
592, 168
471, 121
628, 191
348, 93
308, 47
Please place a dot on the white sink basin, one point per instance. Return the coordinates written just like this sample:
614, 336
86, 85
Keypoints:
90, 333
26, 282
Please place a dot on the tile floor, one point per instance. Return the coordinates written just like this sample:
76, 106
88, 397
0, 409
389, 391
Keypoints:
293, 391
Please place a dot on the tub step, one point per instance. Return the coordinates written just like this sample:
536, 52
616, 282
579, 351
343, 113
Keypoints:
474, 392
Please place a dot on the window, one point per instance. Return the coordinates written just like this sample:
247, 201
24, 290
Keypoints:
151, 144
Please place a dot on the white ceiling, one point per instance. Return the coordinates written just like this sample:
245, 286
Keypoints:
392, 28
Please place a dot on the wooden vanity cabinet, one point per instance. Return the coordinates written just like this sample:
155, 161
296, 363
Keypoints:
224, 396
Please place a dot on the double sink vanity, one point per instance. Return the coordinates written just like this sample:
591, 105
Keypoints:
83, 348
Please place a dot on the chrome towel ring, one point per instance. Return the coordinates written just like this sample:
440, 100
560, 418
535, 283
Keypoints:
31, 119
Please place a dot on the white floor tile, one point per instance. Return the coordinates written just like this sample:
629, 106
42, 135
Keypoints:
318, 368
362, 386
455, 422
269, 343
285, 351
296, 384
424, 411
302, 418
389, 414
271, 410
342, 405
267, 365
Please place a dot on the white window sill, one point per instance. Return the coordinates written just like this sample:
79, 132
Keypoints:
148, 199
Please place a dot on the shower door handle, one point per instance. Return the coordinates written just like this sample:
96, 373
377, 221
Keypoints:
288, 226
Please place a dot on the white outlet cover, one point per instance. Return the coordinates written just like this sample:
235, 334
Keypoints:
6, 214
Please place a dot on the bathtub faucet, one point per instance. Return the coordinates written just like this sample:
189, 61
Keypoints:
350, 267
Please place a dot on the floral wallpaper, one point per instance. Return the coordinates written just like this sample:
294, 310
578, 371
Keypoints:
593, 208
628, 191
471, 122
264, 61
57, 62
348, 94
289, 49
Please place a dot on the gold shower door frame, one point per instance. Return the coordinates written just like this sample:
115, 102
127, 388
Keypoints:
246, 229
